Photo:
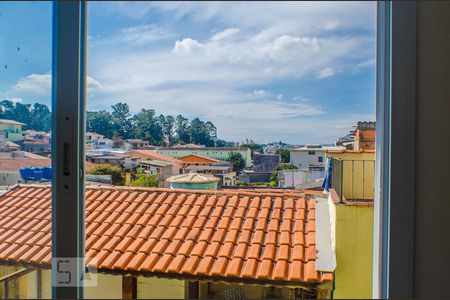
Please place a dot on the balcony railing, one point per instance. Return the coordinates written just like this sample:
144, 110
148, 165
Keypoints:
353, 179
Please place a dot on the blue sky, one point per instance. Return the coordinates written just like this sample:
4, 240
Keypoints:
300, 72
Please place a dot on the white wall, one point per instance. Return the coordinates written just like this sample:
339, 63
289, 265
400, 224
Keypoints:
302, 159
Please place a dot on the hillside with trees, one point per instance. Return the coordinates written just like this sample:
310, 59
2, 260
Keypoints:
159, 130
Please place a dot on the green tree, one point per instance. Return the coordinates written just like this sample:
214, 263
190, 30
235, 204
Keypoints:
122, 120
237, 160
116, 173
220, 143
168, 126
255, 148
285, 155
41, 118
200, 133
145, 180
7, 110
22, 113
101, 122
182, 130
212, 130
148, 127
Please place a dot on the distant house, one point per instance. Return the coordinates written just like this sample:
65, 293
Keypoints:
219, 153
187, 146
251, 176
311, 155
197, 160
137, 144
364, 136
299, 177
177, 165
12, 162
12, 130
90, 137
35, 142
102, 143
105, 159
8, 146
265, 162
162, 169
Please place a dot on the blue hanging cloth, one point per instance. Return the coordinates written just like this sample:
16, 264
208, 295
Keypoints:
326, 185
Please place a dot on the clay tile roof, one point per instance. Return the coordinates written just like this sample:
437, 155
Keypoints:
232, 236
14, 164
149, 154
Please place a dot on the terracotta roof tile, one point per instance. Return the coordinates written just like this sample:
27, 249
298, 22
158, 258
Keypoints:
231, 235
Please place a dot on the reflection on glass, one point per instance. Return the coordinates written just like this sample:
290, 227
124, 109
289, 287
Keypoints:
25, 127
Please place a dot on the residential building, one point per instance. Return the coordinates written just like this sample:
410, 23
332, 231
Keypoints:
187, 146
102, 144
41, 136
219, 153
12, 162
250, 176
140, 144
105, 159
162, 169
294, 177
139, 155
310, 155
346, 141
8, 146
364, 136
40, 145
92, 136
352, 191
12, 130
354, 248
162, 243
197, 160
265, 162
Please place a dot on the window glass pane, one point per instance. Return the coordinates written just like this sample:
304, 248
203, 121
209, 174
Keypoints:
228, 97
210, 130
25, 133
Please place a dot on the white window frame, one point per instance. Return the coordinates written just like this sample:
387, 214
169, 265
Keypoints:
393, 257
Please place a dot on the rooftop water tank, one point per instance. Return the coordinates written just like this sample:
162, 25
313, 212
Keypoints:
193, 181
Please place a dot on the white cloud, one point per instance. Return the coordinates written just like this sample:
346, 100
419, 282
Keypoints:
212, 75
324, 73
186, 46
223, 35
261, 93
39, 85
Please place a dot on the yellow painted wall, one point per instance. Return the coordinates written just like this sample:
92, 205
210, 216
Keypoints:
358, 187
27, 286
46, 284
354, 233
160, 288
108, 287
